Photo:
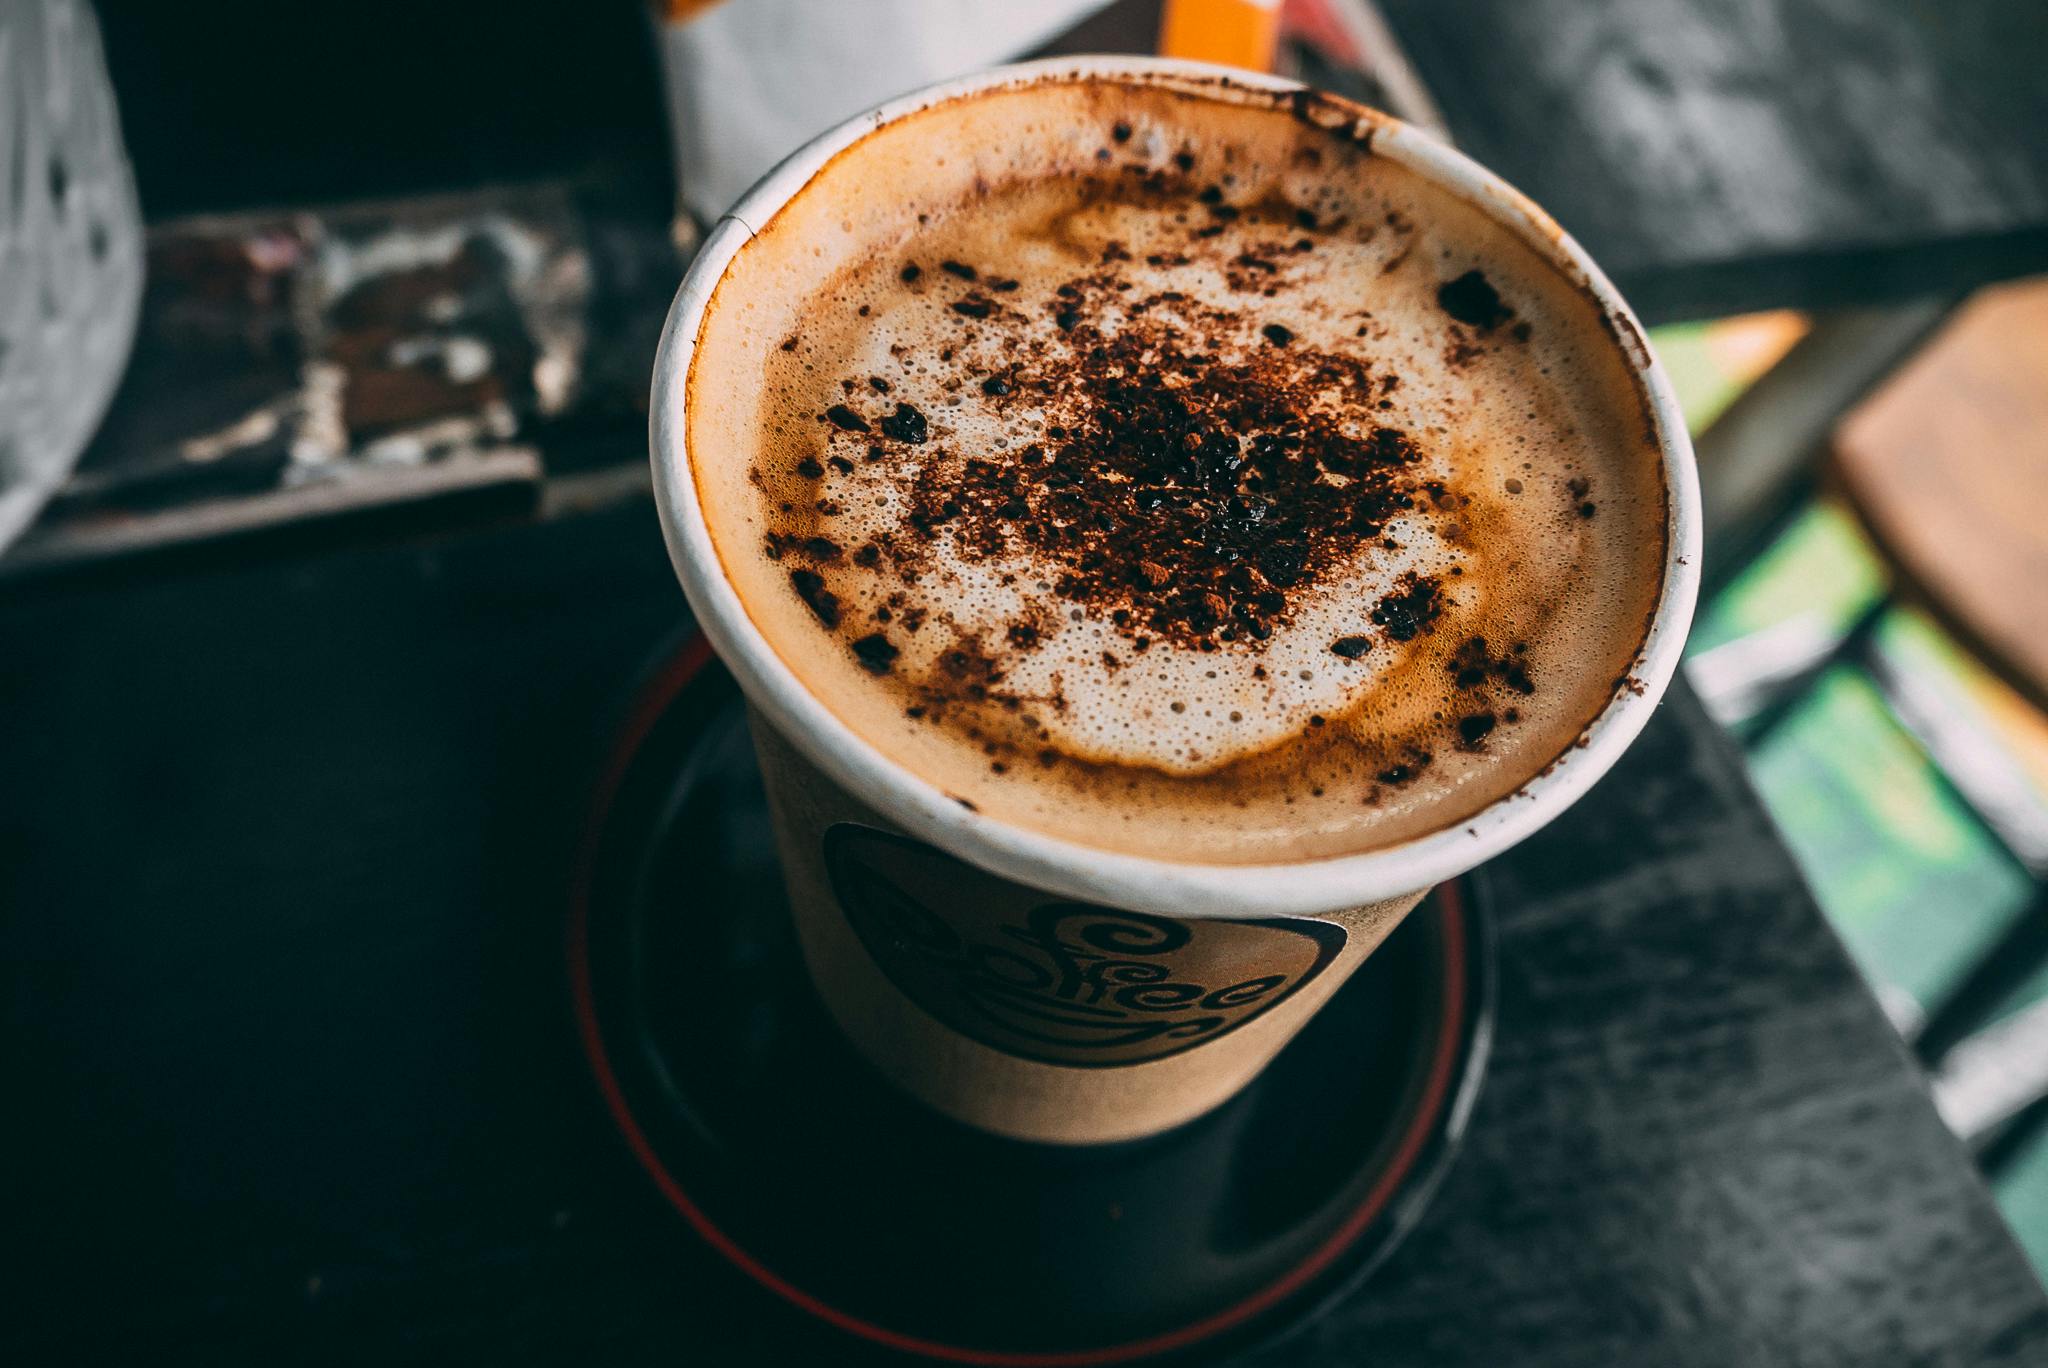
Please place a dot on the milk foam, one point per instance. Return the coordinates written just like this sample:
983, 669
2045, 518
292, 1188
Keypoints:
1183, 479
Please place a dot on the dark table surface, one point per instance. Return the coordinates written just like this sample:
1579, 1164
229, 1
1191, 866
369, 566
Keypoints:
283, 835
1714, 155
1717, 156
292, 1077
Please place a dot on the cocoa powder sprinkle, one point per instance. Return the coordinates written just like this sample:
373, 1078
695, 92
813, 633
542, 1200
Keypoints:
1189, 495
1472, 300
810, 587
875, 653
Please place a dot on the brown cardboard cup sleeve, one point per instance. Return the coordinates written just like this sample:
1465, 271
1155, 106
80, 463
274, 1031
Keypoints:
1028, 1014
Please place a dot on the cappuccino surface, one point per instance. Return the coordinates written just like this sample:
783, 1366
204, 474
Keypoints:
1152, 465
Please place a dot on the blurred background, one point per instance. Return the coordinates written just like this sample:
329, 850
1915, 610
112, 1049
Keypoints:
282, 278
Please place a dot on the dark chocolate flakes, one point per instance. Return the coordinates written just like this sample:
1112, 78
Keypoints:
875, 653
810, 587
1472, 300
1190, 495
906, 424
1417, 762
1410, 610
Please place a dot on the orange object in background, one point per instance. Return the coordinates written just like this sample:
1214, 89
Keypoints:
1240, 33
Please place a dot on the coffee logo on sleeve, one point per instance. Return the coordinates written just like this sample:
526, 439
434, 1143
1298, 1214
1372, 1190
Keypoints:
1054, 981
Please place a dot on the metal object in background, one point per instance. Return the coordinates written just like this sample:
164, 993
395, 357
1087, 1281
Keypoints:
294, 367
70, 249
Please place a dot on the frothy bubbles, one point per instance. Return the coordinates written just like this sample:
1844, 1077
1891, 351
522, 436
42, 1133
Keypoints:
1219, 472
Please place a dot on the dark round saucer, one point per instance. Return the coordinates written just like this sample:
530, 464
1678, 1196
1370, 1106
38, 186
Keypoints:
798, 1163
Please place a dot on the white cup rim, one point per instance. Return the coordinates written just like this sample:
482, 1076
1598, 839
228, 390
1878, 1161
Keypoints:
1067, 868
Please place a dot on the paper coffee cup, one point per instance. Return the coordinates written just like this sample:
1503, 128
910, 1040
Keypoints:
1051, 991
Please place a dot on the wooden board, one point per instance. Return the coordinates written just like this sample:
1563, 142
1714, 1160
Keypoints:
1948, 466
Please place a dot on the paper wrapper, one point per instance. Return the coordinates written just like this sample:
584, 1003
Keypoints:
1028, 1014
750, 80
